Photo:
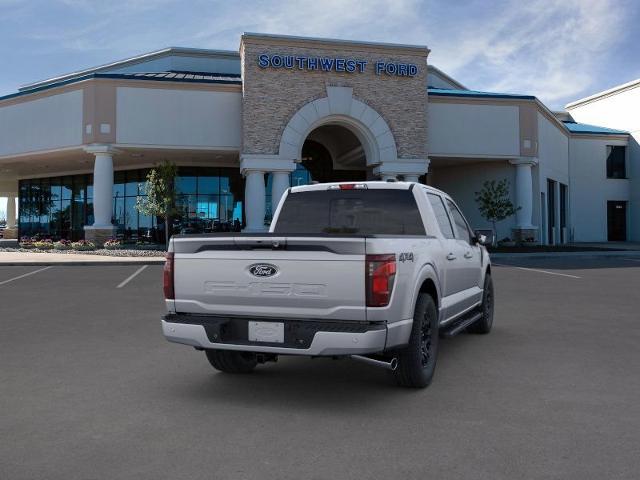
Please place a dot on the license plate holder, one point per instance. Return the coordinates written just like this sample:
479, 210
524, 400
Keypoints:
266, 332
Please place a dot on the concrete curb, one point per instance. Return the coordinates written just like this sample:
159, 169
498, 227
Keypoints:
539, 255
80, 263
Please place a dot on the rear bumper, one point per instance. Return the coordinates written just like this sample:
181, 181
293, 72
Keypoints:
302, 337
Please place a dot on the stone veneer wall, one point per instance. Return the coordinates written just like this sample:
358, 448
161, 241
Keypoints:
271, 96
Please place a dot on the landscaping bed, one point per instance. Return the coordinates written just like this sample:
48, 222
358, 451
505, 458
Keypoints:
111, 248
123, 252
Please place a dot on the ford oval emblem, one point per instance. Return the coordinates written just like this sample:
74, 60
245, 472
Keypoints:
263, 270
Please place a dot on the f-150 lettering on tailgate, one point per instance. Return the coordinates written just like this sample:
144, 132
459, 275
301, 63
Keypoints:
265, 289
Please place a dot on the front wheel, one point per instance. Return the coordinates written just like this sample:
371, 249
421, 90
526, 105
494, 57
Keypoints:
484, 324
417, 362
229, 361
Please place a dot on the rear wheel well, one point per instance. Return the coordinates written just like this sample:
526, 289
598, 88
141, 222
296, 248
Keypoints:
429, 287
488, 272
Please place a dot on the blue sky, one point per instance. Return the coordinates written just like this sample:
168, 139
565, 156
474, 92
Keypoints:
557, 50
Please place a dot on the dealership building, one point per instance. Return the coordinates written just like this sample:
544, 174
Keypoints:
244, 126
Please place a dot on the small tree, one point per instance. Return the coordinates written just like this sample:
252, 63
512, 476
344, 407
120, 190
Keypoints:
494, 203
160, 200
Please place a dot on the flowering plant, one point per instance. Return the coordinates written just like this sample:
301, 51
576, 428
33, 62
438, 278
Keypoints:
83, 245
46, 244
62, 245
113, 244
26, 242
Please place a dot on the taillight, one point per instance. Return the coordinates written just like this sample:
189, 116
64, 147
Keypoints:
167, 275
381, 274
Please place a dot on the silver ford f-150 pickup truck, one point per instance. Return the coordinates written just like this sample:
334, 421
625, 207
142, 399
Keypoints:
377, 271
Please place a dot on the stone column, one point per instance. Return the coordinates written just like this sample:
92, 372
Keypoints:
279, 184
254, 200
524, 198
102, 228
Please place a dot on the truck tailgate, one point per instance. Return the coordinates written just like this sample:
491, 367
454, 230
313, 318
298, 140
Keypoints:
271, 276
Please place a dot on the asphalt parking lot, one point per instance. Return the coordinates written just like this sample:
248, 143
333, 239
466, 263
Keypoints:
89, 389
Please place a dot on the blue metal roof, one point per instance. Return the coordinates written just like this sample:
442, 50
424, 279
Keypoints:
176, 75
444, 92
575, 127
173, 76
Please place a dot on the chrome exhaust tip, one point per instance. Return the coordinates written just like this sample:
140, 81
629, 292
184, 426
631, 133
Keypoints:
390, 365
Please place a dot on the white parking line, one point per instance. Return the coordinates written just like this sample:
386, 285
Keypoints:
539, 271
25, 275
132, 276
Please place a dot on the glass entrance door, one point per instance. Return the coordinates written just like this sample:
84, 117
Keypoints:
551, 211
617, 221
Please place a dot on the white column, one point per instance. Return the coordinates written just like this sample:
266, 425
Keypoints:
279, 185
253, 167
103, 190
11, 211
524, 192
102, 229
254, 200
411, 178
409, 169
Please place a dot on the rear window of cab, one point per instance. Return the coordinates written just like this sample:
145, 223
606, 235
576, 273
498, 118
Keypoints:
363, 212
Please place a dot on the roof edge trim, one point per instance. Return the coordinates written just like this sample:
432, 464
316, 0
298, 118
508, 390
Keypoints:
131, 61
446, 76
604, 93
118, 76
284, 38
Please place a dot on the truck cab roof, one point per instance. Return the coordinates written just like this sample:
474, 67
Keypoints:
373, 185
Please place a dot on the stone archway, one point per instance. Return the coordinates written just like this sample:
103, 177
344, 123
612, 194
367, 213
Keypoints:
340, 108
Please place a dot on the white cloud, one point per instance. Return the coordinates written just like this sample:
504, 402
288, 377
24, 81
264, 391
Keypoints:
554, 49
349, 19
549, 48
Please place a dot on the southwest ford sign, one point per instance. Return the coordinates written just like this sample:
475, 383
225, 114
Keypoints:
331, 64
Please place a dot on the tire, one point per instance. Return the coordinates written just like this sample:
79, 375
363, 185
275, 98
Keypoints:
417, 362
484, 324
229, 361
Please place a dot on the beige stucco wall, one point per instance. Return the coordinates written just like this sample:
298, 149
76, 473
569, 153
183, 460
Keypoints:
272, 96
50, 122
463, 180
459, 129
620, 110
184, 118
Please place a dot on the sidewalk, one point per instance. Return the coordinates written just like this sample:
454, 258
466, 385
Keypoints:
593, 253
616, 245
32, 258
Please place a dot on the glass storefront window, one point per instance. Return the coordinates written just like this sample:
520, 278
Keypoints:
131, 185
59, 207
118, 184
186, 184
208, 185
67, 188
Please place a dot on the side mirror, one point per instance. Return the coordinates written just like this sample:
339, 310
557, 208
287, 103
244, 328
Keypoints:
483, 237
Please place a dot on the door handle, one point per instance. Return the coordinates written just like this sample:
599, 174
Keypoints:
451, 256
468, 255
